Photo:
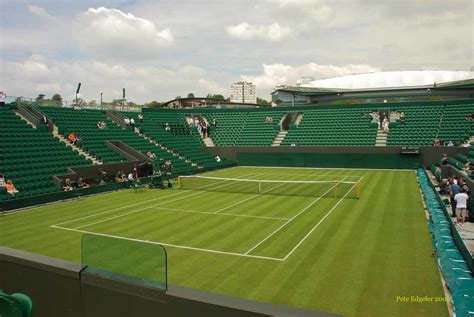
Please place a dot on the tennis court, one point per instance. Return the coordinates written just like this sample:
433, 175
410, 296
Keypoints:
275, 210
292, 236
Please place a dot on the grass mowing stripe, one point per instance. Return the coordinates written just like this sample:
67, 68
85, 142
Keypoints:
319, 222
291, 219
135, 211
247, 199
170, 245
219, 214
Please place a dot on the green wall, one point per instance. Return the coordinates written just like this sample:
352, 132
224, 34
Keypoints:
336, 160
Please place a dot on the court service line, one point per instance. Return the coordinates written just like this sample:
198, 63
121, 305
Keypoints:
171, 245
141, 202
293, 218
220, 214
247, 199
317, 225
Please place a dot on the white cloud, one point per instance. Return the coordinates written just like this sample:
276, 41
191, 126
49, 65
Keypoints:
280, 74
40, 12
112, 33
246, 31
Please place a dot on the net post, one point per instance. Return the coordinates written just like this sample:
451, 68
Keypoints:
259, 187
357, 187
335, 190
179, 182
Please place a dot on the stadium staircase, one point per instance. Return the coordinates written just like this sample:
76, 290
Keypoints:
279, 138
30, 157
381, 139
25, 119
75, 148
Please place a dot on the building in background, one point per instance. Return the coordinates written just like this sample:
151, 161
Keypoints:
243, 92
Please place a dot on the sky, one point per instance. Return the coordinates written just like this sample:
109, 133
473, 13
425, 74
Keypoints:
158, 50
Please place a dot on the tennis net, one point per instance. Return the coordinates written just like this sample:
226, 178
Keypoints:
334, 189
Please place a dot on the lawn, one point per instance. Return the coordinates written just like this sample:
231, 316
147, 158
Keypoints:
327, 253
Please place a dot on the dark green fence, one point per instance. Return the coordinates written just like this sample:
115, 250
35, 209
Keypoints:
331, 160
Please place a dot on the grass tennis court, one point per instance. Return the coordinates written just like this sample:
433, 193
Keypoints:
326, 252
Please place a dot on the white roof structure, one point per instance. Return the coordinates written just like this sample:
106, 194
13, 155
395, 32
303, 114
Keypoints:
389, 79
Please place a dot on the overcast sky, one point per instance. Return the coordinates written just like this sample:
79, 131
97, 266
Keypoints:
162, 49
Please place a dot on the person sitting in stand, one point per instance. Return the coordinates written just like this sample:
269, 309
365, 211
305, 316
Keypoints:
126, 121
167, 127
217, 158
140, 119
150, 154
10, 188
402, 117
67, 185
450, 143
214, 122
72, 138
466, 144
444, 159
385, 125
81, 183
2, 183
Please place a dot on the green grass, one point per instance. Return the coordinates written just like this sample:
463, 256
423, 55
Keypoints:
356, 262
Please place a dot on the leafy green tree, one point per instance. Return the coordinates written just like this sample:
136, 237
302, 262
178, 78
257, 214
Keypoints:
178, 97
57, 100
92, 104
262, 102
191, 95
219, 97
154, 104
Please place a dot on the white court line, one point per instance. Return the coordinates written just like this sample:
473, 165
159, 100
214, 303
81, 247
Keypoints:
309, 175
148, 207
317, 225
220, 214
247, 199
141, 202
291, 219
171, 245
330, 168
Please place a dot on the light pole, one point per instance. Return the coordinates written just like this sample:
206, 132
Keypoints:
101, 93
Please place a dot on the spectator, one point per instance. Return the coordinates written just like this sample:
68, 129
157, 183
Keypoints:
444, 188
268, 119
132, 123
466, 144
204, 129
454, 188
2, 183
119, 177
444, 159
130, 177
217, 158
461, 199
402, 117
3, 96
214, 122
377, 119
450, 143
72, 138
150, 154
10, 188
44, 120
385, 125
126, 121
102, 176
81, 183
199, 128
140, 118
67, 185
167, 127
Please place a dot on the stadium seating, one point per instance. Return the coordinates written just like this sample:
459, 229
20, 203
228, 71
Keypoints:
84, 123
182, 138
30, 157
338, 126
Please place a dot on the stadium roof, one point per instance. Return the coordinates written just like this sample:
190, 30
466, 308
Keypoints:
303, 90
390, 79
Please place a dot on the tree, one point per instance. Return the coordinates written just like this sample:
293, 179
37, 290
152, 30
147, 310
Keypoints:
40, 97
190, 95
219, 97
92, 104
154, 104
178, 97
57, 100
262, 102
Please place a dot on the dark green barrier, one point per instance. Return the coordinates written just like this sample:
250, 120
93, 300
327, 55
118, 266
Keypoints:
331, 160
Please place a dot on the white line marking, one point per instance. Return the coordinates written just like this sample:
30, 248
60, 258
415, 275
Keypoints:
171, 245
147, 207
138, 203
220, 214
247, 199
291, 219
330, 168
317, 225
